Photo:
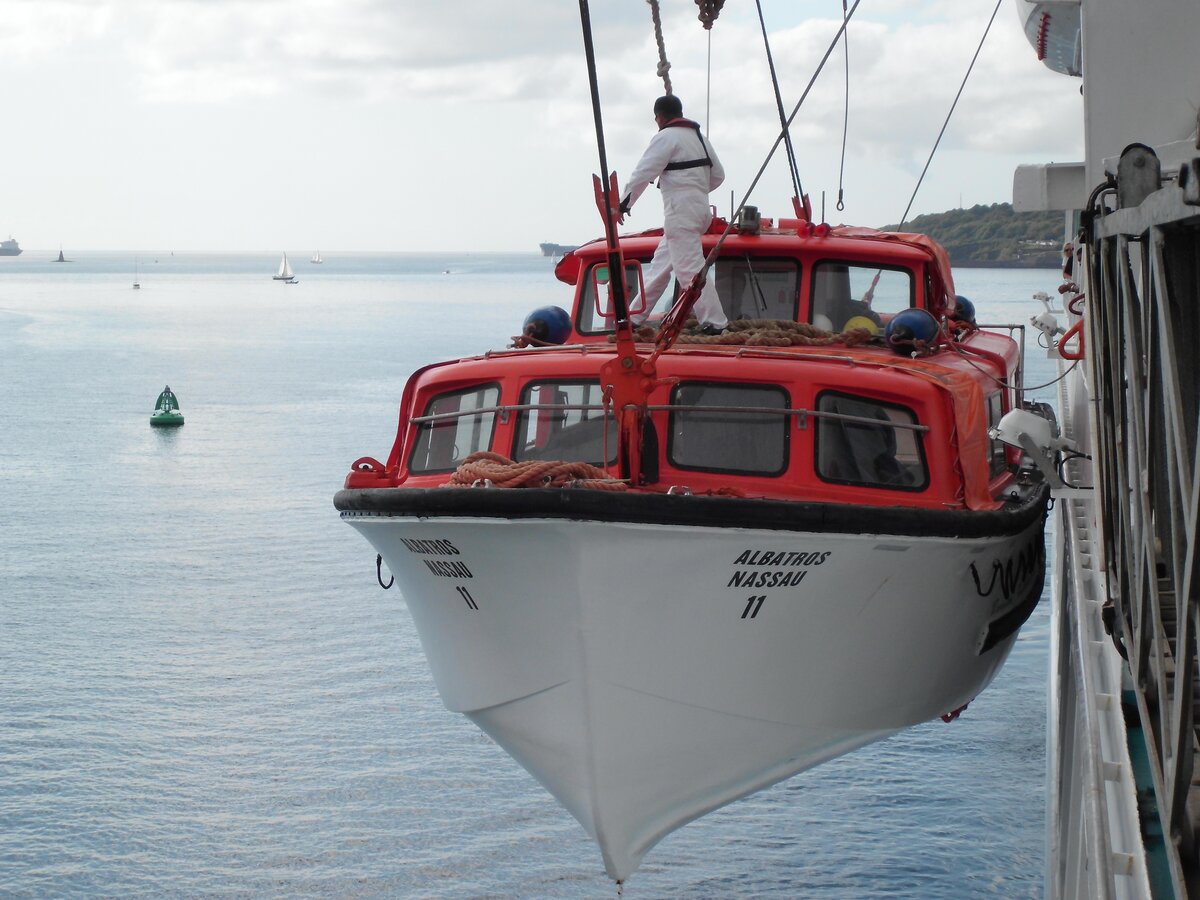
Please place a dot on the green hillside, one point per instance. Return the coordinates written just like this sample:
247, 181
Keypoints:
994, 236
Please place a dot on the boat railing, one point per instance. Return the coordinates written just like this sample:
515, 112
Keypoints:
1018, 384
802, 415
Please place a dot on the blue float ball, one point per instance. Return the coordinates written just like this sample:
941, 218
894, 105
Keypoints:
911, 331
964, 309
549, 324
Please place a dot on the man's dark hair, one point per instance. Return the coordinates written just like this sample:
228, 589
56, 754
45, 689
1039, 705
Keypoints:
669, 106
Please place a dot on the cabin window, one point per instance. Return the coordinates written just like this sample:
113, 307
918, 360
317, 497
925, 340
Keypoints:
731, 428
749, 288
570, 425
467, 426
999, 451
847, 295
590, 320
752, 288
868, 449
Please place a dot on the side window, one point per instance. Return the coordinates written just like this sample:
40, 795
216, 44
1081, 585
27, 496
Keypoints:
758, 288
851, 295
859, 443
464, 424
590, 321
998, 450
730, 429
569, 424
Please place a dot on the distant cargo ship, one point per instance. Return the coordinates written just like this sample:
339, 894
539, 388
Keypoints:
557, 249
10, 248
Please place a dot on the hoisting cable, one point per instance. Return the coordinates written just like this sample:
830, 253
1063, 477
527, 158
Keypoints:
664, 67
709, 10
617, 282
845, 115
708, 88
672, 324
787, 134
903, 218
623, 378
1000, 382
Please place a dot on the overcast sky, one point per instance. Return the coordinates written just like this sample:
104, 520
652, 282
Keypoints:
252, 125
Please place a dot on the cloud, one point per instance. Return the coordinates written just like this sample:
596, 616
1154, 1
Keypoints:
378, 91
36, 29
468, 49
907, 58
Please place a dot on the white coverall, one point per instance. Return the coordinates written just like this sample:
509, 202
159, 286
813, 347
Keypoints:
686, 215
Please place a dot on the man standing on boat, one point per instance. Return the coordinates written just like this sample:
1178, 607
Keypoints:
687, 170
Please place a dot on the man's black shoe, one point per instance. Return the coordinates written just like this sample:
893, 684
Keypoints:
710, 330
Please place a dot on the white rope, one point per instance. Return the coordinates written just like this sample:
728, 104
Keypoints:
664, 67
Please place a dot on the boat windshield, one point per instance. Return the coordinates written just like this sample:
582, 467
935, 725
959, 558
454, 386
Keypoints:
845, 291
749, 288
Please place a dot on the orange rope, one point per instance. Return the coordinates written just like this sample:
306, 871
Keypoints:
504, 472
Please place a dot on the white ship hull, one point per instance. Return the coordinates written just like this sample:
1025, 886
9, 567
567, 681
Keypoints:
646, 674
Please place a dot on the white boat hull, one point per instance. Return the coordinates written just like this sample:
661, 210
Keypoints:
646, 674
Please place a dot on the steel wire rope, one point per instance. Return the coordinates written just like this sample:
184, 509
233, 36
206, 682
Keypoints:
908, 208
1000, 381
845, 114
677, 311
620, 301
796, 109
708, 88
709, 10
787, 134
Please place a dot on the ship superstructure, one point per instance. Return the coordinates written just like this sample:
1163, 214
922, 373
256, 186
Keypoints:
1124, 803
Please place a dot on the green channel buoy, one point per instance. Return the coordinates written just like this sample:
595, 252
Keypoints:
166, 411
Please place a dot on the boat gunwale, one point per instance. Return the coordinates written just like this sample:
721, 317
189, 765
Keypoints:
655, 508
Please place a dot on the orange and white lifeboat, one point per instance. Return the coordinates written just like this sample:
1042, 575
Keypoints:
758, 551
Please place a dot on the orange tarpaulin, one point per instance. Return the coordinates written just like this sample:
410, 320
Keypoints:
970, 425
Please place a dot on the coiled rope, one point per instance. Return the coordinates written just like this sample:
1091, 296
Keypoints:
487, 469
664, 67
766, 333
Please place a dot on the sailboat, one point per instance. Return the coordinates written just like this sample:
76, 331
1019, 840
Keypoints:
285, 272
137, 285
317, 258
61, 258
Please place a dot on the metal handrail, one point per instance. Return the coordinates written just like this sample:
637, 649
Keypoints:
509, 408
801, 414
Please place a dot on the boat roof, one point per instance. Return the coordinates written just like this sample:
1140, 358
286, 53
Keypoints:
947, 372
790, 237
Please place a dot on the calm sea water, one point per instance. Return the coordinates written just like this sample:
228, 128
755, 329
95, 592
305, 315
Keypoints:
204, 691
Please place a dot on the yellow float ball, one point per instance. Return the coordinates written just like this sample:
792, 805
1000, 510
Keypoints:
861, 322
